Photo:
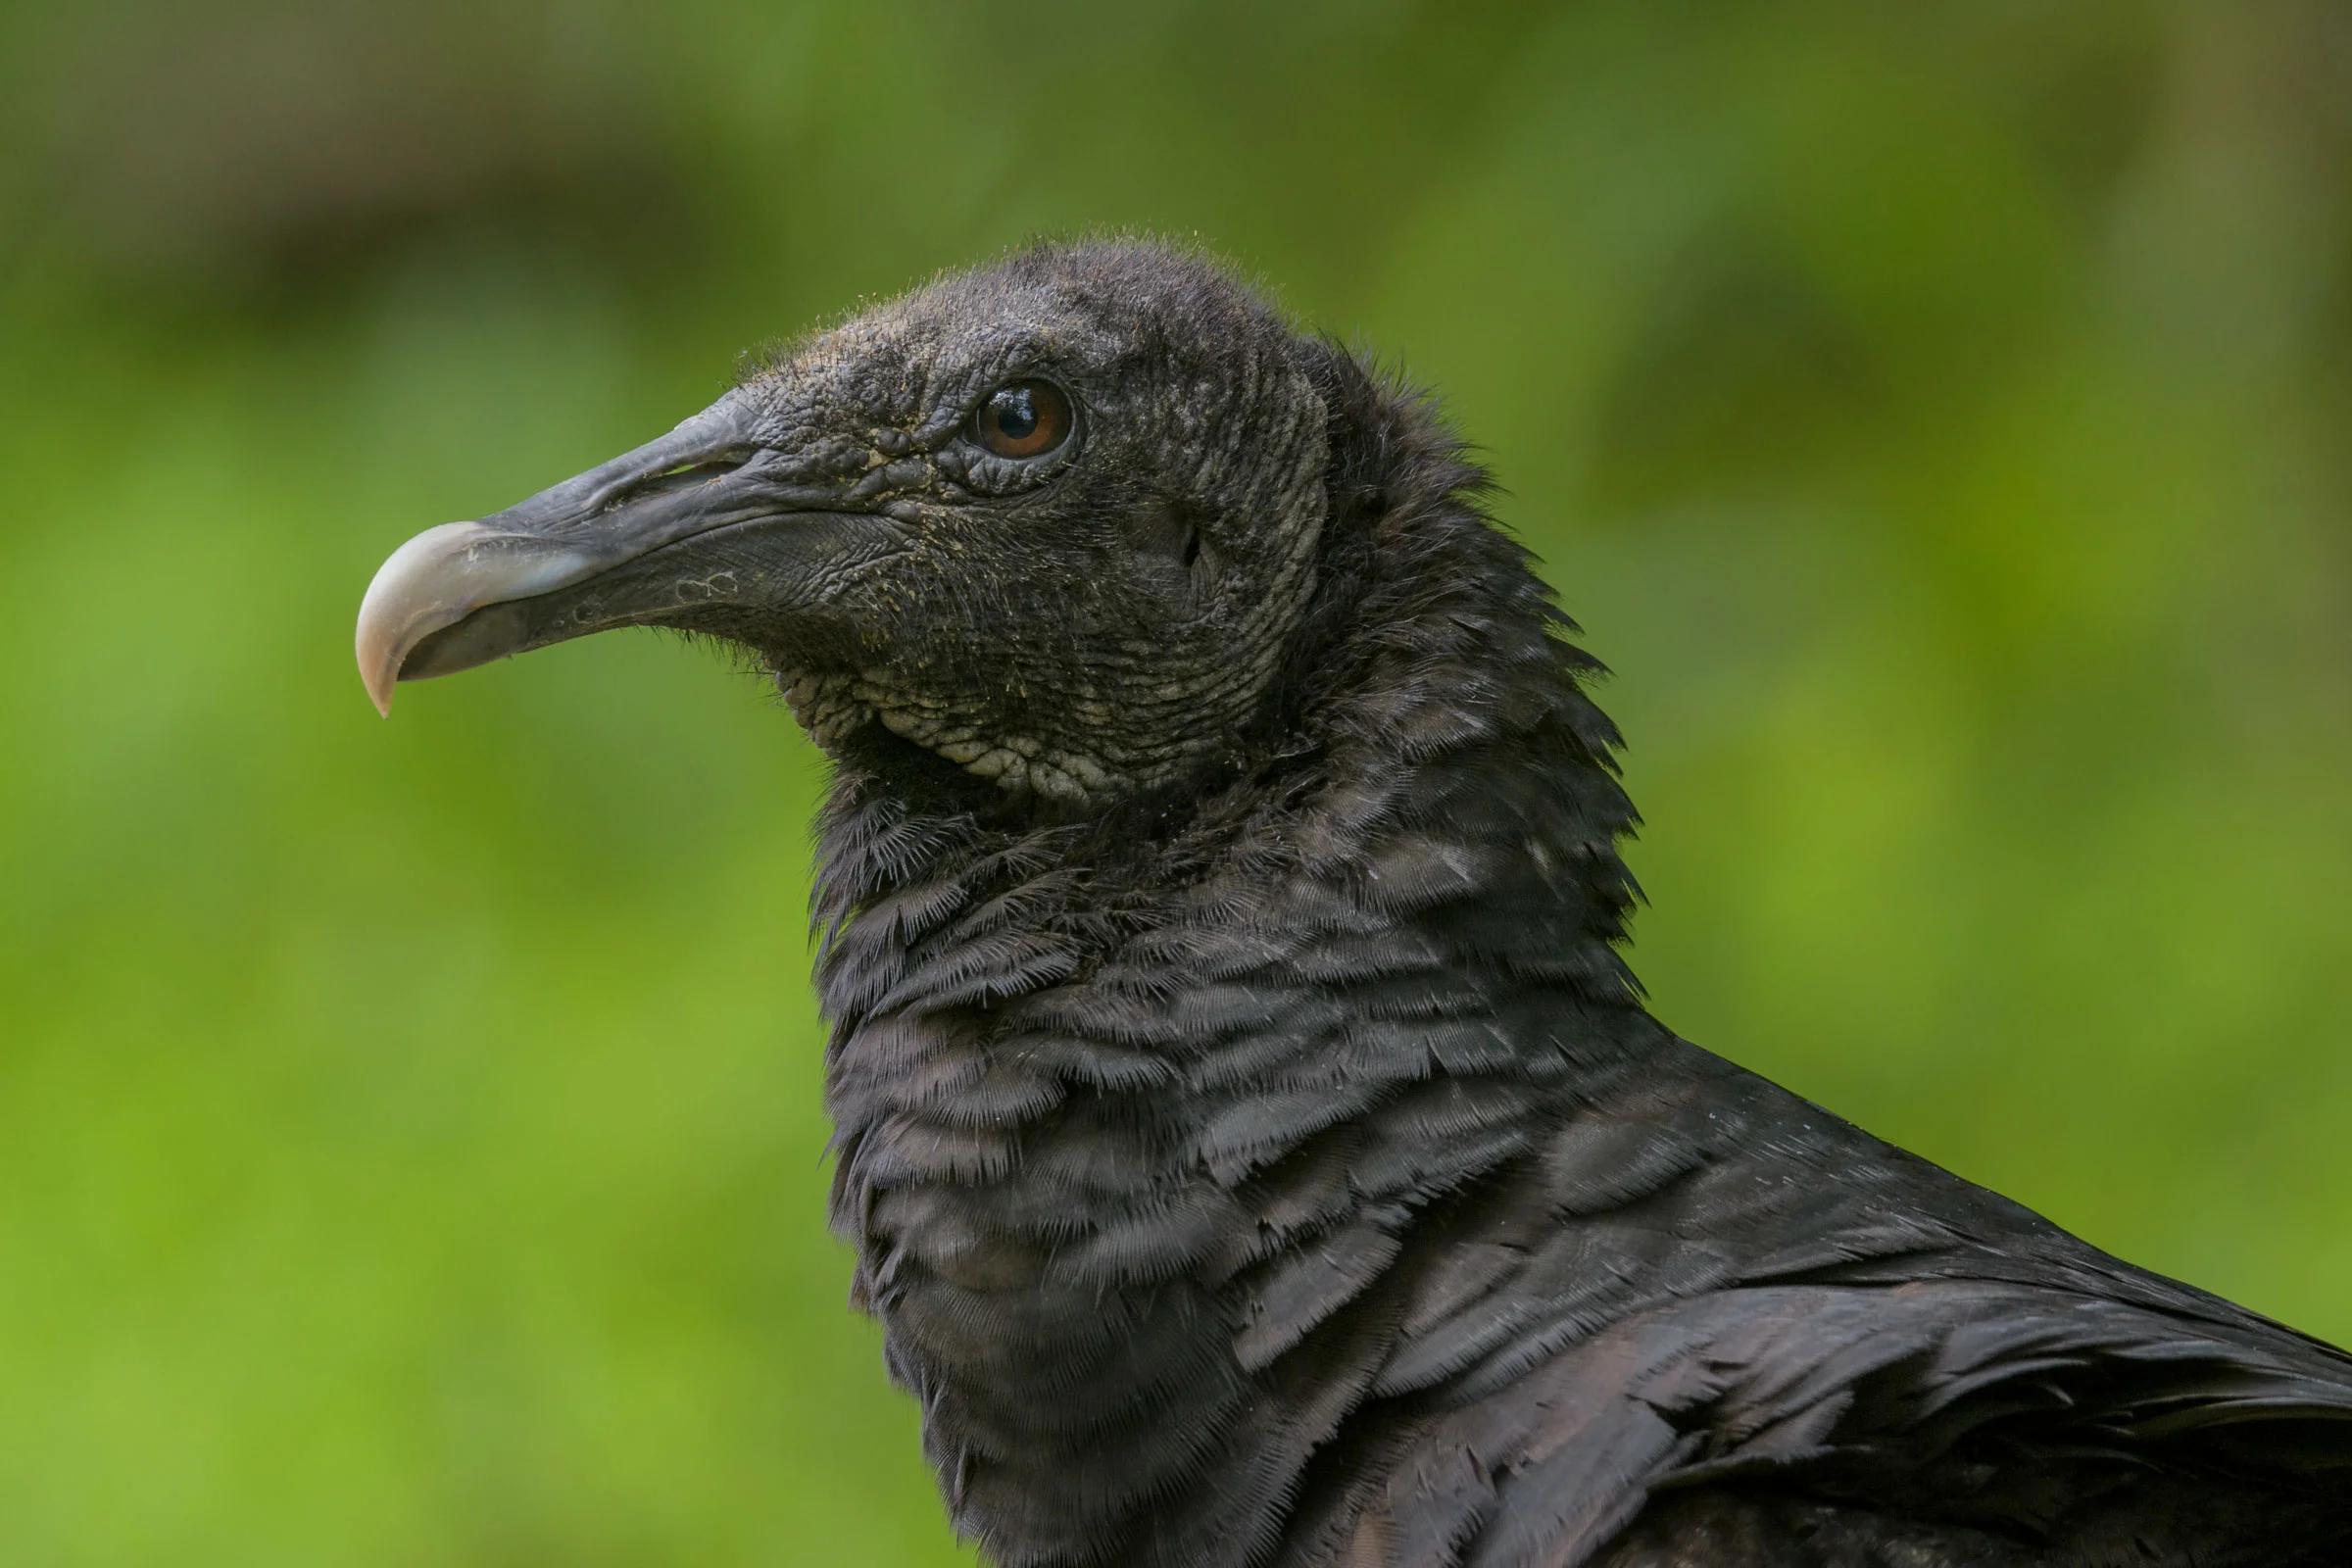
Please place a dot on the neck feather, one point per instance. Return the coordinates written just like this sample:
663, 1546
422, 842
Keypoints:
1134, 1111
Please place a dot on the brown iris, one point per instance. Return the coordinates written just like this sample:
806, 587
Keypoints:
1023, 420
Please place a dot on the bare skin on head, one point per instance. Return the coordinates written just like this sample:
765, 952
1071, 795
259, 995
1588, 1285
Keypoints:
1251, 1141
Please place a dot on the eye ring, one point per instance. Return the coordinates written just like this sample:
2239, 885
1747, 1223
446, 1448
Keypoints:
1024, 419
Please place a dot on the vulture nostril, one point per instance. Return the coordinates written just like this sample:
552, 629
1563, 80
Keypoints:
683, 476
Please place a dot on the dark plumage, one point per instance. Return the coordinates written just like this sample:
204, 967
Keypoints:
1254, 1146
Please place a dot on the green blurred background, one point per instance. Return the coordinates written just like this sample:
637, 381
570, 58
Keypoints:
408, 1133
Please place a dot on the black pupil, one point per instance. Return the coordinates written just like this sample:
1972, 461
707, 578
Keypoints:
1015, 411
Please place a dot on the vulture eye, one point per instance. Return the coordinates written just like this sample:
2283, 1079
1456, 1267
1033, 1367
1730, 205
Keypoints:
1023, 420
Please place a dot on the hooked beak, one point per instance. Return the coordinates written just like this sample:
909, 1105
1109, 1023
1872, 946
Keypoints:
678, 532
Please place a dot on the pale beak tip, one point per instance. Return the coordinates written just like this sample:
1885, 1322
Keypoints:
379, 649
420, 589
442, 576
376, 674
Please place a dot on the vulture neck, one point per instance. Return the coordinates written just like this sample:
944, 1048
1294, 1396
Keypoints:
1142, 1126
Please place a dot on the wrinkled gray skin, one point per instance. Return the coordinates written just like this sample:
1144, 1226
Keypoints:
1253, 1148
1096, 619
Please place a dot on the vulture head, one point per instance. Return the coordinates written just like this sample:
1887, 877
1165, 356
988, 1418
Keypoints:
1054, 523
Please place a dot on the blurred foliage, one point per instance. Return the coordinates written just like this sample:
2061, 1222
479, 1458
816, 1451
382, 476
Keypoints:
411, 1133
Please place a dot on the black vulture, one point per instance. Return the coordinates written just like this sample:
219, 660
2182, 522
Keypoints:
1253, 1146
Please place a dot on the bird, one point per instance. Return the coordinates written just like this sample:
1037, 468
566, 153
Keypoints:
1249, 1135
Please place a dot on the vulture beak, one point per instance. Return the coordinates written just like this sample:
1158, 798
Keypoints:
641, 539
